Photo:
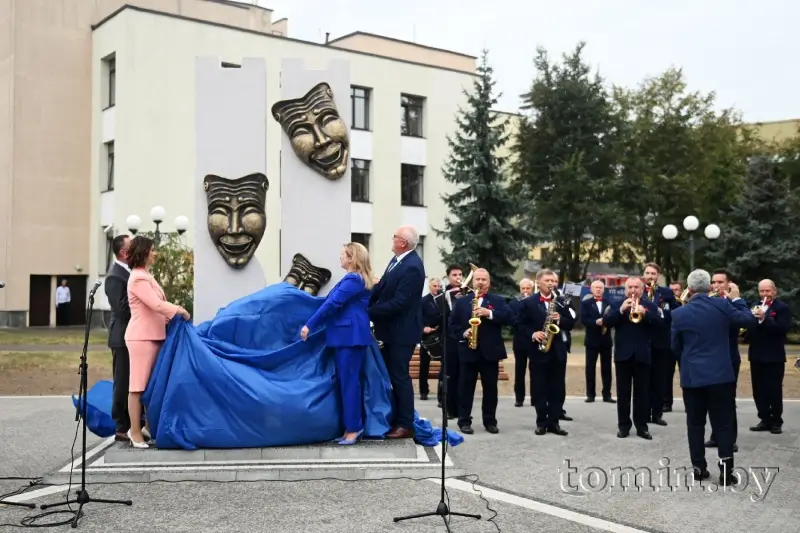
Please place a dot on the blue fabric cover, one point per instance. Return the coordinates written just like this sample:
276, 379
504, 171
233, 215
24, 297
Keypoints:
98, 408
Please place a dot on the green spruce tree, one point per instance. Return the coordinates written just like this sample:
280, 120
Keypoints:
480, 227
759, 239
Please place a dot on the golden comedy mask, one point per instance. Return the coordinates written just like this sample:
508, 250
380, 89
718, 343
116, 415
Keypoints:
318, 134
237, 215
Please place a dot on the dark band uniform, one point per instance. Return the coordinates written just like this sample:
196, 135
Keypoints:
446, 304
548, 369
523, 348
661, 352
597, 344
767, 356
669, 372
431, 318
484, 360
700, 337
632, 359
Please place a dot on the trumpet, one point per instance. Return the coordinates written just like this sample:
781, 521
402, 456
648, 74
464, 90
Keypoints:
465, 283
759, 307
651, 290
635, 317
605, 328
684, 297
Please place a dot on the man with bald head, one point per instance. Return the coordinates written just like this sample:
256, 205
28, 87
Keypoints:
767, 356
484, 359
396, 311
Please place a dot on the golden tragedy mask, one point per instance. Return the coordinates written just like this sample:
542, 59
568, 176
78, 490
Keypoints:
307, 277
237, 215
318, 134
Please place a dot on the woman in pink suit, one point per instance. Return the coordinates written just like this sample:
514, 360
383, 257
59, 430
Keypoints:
147, 329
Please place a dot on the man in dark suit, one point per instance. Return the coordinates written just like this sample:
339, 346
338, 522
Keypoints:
669, 373
432, 326
396, 311
484, 359
700, 338
116, 289
548, 369
767, 356
661, 353
597, 341
452, 292
632, 356
522, 346
721, 284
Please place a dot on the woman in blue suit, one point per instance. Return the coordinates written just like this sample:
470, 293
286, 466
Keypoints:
347, 331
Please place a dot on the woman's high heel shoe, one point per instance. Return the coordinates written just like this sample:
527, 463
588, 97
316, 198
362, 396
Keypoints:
137, 444
349, 442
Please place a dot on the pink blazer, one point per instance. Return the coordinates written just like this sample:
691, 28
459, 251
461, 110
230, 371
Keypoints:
150, 310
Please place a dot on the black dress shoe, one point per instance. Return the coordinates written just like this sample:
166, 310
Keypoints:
540, 430
518, 404
423, 396
565, 418
466, 429
735, 447
701, 473
668, 409
623, 434
556, 430
439, 405
492, 429
776, 430
590, 399
659, 421
644, 434
710, 443
761, 426
609, 400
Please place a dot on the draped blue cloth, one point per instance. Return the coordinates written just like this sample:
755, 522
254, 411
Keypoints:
245, 380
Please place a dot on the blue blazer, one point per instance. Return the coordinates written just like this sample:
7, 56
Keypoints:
530, 319
344, 314
633, 340
395, 306
701, 336
665, 300
589, 315
491, 345
768, 339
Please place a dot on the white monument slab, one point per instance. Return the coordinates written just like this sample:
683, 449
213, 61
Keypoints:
231, 142
315, 210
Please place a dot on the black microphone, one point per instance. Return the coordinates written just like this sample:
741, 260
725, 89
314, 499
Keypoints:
2, 284
96, 286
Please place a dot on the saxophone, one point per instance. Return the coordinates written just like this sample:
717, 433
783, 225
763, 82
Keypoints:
474, 322
550, 329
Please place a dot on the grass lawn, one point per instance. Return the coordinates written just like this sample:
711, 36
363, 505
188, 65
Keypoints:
44, 373
50, 336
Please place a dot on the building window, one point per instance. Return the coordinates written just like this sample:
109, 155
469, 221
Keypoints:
112, 81
109, 249
411, 115
359, 103
110, 166
411, 183
361, 238
230, 65
359, 180
421, 247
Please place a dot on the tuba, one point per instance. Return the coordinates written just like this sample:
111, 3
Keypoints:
474, 322
550, 329
635, 317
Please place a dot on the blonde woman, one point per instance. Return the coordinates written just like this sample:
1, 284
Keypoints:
348, 333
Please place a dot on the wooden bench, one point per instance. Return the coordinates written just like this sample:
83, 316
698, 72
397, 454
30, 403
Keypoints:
433, 371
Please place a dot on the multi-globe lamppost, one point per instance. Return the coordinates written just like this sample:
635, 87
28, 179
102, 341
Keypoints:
690, 224
157, 215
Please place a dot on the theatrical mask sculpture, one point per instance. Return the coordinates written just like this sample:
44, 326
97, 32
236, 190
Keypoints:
318, 134
306, 276
237, 215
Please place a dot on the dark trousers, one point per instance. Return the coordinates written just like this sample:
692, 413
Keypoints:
349, 362
669, 377
659, 359
121, 372
521, 368
633, 380
424, 370
397, 358
592, 353
453, 372
768, 391
718, 403
62, 315
735, 427
548, 388
489, 372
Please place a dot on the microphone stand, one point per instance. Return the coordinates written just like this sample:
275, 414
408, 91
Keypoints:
442, 509
82, 495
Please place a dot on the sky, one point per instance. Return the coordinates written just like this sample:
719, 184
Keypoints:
745, 51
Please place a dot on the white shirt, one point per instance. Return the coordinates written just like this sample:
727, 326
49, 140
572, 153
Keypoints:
123, 265
62, 295
397, 261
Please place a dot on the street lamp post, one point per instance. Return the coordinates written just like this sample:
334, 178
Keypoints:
690, 224
157, 215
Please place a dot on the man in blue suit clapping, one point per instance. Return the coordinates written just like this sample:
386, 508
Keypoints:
484, 359
396, 311
701, 341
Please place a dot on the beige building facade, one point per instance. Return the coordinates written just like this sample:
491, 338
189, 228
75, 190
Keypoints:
97, 124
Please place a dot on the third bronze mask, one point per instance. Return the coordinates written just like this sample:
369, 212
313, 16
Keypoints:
318, 134
237, 215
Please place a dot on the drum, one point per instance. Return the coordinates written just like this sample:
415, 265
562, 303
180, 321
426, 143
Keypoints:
432, 343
